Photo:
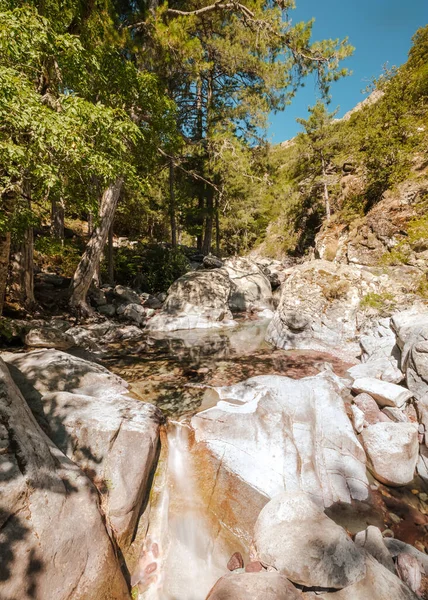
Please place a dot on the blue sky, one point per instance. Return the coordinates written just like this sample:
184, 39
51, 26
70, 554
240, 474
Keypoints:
380, 31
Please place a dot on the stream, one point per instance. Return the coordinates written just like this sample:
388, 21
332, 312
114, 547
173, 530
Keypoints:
187, 548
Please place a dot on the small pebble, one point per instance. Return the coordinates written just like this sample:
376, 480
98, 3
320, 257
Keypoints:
415, 492
394, 518
373, 487
388, 533
419, 546
423, 496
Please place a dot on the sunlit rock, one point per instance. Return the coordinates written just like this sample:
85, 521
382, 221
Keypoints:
294, 535
54, 543
392, 449
276, 434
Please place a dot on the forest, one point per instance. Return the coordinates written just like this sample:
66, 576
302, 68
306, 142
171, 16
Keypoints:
148, 122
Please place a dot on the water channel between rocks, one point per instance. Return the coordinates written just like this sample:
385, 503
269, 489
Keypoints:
187, 545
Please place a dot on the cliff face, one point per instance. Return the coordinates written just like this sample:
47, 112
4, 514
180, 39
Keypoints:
393, 232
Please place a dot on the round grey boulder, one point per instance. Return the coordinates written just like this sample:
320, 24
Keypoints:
294, 535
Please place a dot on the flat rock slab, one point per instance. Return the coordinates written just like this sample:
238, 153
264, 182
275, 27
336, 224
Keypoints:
279, 434
254, 586
294, 535
393, 450
41, 371
385, 393
53, 540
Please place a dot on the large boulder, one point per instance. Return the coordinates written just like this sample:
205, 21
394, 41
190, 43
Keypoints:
254, 586
378, 584
48, 337
411, 327
53, 541
276, 434
41, 371
318, 307
113, 439
199, 299
392, 449
251, 289
294, 535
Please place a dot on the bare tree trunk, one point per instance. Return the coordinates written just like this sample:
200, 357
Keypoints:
90, 223
22, 270
110, 257
172, 215
4, 265
91, 258
57, 220
326, 194
200, 221
206, 246
217, 227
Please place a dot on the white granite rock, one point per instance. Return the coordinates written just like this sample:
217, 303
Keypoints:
385, 393
392, 449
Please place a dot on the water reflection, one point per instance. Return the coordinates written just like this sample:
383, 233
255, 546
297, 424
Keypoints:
174, 370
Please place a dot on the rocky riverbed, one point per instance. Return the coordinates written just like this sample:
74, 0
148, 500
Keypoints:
285, 457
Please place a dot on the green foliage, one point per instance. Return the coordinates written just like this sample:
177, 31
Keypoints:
152, 268
380, 302
63, 257
380, 142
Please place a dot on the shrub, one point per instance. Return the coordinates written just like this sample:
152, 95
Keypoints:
152, 268
379, 302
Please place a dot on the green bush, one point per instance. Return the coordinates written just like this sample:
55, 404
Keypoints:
379, 302
63, 257
152, 268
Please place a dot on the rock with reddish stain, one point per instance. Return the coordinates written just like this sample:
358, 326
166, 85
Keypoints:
235, 562
151, 568
254, 567
409, 571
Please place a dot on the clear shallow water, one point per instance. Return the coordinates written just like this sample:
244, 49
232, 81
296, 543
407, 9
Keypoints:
173, 371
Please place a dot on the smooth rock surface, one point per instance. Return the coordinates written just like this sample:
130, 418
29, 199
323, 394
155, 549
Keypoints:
277, 434
251, 288
41, 371
112, 438
371, 540
254, 586
378, 584
392, 449
408, 570
53, 541
294, 535
385, 393
199, 299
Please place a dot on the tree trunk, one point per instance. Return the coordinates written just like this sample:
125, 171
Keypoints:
22, 270
90, 224
110, 257
57, 220
91, 258
217, 227
4, 265
206, 246
326, 194
172, 215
